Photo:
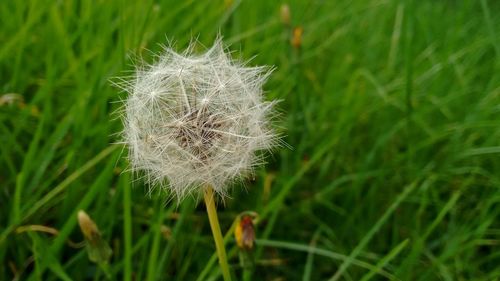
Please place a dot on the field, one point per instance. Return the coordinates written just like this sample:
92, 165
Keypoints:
391, 110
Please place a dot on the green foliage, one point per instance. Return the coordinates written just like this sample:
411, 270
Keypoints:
391, 107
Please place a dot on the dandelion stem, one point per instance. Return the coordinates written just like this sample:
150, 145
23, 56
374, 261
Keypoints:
214, 225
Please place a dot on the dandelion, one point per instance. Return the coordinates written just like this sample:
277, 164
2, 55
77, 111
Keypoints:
197, 120
194, 124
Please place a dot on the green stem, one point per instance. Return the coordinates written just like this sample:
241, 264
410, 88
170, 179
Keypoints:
214, 225
127, 228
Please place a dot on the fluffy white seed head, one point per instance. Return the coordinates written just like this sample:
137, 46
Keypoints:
196, 120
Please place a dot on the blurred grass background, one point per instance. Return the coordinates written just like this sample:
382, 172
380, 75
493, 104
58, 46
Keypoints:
391, 107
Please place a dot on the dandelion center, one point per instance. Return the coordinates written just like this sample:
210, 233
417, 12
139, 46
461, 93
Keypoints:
199, 133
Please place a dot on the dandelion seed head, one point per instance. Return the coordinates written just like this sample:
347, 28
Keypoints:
194, 120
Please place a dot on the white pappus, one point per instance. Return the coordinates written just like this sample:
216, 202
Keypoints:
196, 120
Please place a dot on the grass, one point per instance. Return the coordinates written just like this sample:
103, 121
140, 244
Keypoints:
392, 109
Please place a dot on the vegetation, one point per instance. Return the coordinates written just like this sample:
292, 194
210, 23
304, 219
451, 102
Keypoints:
391, 109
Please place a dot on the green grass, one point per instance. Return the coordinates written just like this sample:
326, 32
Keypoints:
392, 109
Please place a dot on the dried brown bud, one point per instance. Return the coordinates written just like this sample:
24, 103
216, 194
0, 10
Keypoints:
297, 37
87, 225
285, 14
97, 248
245, 233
